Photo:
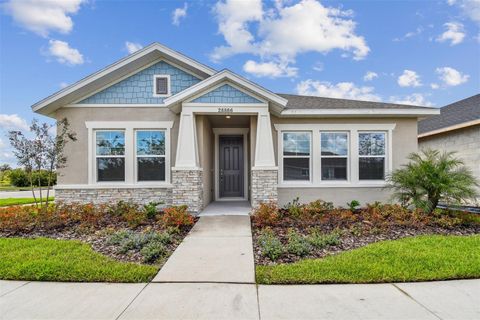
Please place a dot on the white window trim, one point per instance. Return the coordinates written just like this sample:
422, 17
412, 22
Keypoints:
341, 157
129, 127
281, 157
108, 156
315, 166
169, 92
385, 156
149, 156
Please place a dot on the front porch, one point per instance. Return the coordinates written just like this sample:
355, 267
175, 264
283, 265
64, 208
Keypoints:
231, 159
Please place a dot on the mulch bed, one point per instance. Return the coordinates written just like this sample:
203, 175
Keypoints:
354, 237
98, 238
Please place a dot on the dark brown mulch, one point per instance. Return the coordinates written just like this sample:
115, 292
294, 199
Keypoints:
351, 238
98, 238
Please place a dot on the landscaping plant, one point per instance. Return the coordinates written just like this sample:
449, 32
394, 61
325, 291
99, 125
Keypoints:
270, 245
297, 244
266, 214
431, 177
176, 216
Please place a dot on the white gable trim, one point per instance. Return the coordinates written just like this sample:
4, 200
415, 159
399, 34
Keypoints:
119, 64
372, 112
224, 76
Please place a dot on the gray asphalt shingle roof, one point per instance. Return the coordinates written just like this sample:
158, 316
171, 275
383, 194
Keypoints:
312, 102
456, 113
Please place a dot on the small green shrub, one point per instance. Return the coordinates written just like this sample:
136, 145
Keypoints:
162, 237
353, 205
152, 251
151, 209
294, 208
119, 237
320, 240
270, 245
298, 244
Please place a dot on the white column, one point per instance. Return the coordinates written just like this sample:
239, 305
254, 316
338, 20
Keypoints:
187, 149
264, 155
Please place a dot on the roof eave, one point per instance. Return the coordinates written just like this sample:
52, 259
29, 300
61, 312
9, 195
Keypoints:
450, 128
372, 112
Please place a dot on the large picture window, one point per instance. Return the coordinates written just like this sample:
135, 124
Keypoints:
296, 156
334, 155
150, 155
110, 155
371, 155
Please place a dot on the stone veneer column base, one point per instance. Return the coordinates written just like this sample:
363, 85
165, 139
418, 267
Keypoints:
109, 195
188, 188
264, 186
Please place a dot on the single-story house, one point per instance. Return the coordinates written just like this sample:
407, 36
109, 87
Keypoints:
158, 125
456, 128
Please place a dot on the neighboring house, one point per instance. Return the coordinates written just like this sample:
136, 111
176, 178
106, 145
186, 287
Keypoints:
158, 125
456, 128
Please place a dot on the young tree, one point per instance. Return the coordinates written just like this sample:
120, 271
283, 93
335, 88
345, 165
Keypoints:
430, 177
44, 151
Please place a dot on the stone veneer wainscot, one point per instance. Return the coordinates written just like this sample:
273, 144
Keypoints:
264, 186
188, 188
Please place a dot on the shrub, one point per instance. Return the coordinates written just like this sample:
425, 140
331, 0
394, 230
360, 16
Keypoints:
430, 177
270, 245
266, 214
297, 244
161, 237
319, 207
151, 209
128, 211
294, 208
119, 237
19, 178
352, 205
152, 251
176, 216
319, 240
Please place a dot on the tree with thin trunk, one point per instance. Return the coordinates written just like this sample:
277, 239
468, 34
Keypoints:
431, 177
43, 151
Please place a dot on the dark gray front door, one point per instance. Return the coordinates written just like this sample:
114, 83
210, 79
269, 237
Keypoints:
231, 166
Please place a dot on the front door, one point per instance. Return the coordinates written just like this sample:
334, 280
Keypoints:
231, 166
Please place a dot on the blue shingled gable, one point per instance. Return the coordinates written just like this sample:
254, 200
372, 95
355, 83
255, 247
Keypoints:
226, 94
138, 88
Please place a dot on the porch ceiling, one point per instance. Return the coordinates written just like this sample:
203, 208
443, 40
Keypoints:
235, 121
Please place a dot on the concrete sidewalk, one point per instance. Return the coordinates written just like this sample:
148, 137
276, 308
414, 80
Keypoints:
431, 300
217, 249
24, 194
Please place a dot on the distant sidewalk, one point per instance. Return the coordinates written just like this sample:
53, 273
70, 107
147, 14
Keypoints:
24, 194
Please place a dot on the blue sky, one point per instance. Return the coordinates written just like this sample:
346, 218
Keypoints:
418, 52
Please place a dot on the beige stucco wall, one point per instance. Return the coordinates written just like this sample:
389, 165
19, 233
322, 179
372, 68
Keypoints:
466, 142
205, 140
76, 171
404, 141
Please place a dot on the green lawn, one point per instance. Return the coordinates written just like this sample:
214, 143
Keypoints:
420, 258
64, 260
16, 201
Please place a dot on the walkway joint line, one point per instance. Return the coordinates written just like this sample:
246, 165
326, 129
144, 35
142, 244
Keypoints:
130, 303
411, 298
8, 292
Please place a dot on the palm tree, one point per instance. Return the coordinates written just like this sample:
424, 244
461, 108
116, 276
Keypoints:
431, 176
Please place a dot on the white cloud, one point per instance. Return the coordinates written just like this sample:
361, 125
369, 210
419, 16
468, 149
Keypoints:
470, 8
269, 69
451, 77
63, 85
283, 32
345, 90
132, 46
416, 99
455, 33
12, 122
410, 34
62, 51
44, 16
409, 78
370, 75
434, 86
179, 13
318, 66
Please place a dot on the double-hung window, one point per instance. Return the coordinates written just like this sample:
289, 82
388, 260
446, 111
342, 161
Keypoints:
371, 155
296, 156
334, 155
150, 155
110, 155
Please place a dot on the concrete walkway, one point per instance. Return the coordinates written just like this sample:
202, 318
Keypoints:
431, 300
217, 249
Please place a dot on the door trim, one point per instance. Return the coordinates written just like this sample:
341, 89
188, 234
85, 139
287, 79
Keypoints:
225, 132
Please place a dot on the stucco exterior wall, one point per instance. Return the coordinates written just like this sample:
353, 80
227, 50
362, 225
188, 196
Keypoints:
76, 171
404, 142
466, 142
